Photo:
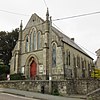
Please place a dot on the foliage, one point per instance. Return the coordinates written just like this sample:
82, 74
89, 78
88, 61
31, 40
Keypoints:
95, 73
55, 92
7, 43
17, 76
3, 77
4, 69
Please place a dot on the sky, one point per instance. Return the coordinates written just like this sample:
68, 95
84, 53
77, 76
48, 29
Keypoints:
85, 29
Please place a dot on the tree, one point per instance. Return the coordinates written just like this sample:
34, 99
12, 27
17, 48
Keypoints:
7, 43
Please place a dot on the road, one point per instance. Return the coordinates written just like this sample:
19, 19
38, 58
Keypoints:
22, 95
5, 96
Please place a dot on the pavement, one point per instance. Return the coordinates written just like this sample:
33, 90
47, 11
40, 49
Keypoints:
41, 96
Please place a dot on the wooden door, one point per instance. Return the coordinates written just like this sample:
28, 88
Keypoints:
33, 68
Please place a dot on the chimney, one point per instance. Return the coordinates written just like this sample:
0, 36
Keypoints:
72, 39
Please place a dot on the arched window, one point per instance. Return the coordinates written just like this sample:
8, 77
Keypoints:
68, 57
27, 44
34, 40
39, 40
83, 68
78, 61
54, 55
15, 62
75, 67
31, 42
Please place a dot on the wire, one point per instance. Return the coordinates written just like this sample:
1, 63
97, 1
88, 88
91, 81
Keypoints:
45, 3
77, 43
88, 50
14, 13
88, 14
58, 28
34, 25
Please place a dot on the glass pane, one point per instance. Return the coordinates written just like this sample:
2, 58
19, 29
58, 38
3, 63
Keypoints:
54, 55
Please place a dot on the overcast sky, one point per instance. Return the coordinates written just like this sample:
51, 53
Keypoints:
85, 30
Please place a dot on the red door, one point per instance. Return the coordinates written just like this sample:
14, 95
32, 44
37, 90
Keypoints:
33, 68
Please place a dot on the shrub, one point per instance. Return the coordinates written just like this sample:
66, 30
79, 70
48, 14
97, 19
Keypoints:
3, 77
17, 76
55, 92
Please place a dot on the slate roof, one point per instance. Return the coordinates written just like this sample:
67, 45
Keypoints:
68, 41
65, 38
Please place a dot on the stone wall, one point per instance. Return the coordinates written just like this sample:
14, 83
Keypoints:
84, 86
94, 95
64, 87
27, 85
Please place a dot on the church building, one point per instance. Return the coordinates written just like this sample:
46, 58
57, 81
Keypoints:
43, 52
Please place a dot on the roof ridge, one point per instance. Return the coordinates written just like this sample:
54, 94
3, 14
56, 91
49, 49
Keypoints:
68, 40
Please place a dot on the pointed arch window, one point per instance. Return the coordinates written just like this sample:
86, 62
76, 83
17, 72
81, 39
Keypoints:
27, 44
68, 57
78, 61
54, 55
15, 62
75, 67
34, 40
31, 42
39, 40
83, 69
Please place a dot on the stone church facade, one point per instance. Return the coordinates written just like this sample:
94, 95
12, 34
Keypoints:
43, 52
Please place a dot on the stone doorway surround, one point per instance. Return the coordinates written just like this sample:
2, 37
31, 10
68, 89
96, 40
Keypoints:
28, 63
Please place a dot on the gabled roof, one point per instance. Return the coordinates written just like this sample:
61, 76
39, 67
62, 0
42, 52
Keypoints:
68, 41
65, 38
32, 21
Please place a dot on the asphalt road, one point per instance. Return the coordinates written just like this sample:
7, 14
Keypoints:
5, 96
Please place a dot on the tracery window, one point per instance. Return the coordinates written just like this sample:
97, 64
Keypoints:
54, 55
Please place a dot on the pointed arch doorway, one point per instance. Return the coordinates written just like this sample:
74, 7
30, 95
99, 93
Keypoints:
33, 69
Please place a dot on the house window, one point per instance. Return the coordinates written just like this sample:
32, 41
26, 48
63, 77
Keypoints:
34, 40
27, 44
54, 55
39, 40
